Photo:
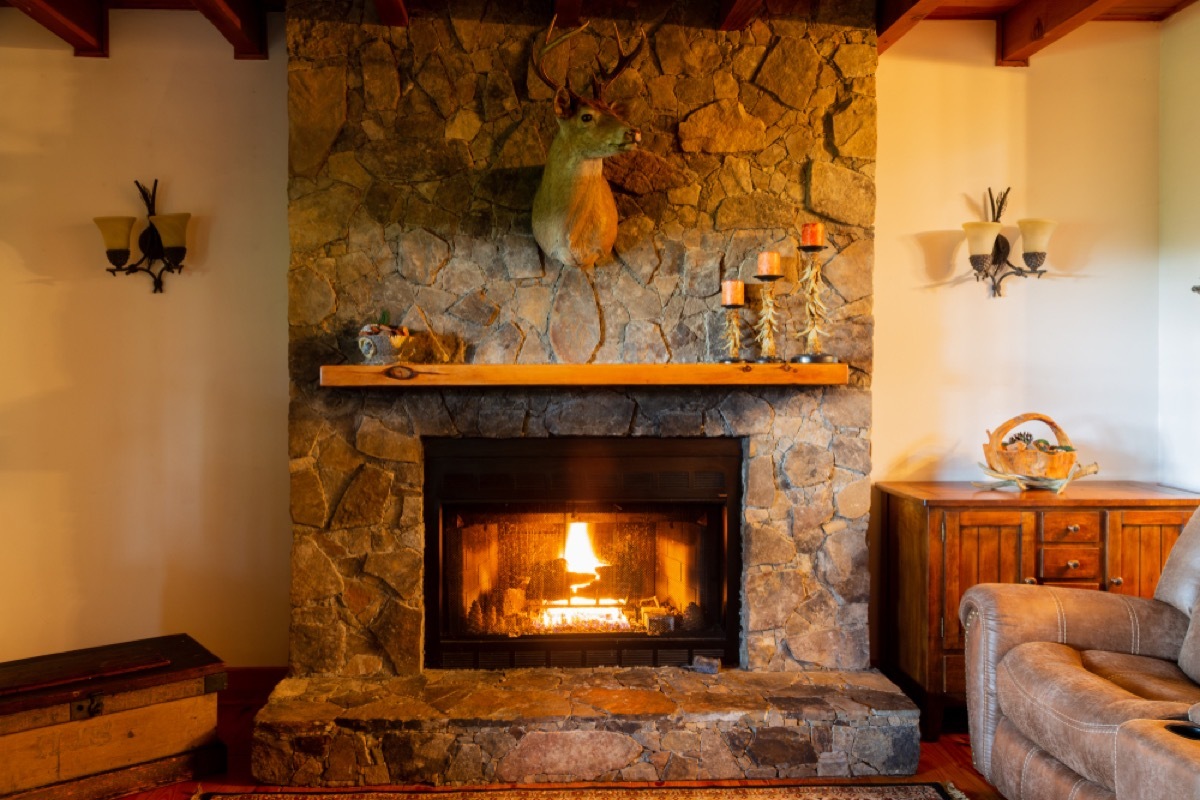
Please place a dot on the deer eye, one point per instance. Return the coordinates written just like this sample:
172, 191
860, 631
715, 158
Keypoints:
585, 117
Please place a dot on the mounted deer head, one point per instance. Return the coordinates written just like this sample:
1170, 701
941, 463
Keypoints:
574, 213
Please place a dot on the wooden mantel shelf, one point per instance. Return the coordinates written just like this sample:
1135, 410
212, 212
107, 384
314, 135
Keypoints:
418, 376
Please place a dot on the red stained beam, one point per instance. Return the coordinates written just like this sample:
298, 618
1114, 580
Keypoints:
242, 22
567, 13
392, 12
737, 14
894, 18
1032, 25
83, 24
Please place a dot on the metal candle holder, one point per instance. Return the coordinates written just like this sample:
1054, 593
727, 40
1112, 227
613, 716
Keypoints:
814, 309
733, 300
768, 321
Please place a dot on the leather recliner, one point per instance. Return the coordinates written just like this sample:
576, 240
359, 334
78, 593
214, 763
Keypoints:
1072, 694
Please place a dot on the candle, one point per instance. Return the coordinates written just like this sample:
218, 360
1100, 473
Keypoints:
733, 293
812, 234
769, 266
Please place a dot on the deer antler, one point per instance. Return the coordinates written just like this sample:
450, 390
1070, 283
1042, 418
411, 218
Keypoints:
601, 82
546, 47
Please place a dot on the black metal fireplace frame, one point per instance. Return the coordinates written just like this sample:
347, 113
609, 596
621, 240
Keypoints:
704, 471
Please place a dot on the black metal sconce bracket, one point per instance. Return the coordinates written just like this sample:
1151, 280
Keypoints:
999, 267
169, 259
996, 267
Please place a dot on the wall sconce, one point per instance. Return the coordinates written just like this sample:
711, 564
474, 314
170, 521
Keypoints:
164, 240
989, 249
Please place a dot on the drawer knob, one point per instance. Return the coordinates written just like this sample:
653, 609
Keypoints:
1072, 529
1118, 581
1031, 580
1073, 564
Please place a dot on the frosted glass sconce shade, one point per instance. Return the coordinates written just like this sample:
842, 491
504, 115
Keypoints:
981, 237
1035, 234
172, 228
115, 231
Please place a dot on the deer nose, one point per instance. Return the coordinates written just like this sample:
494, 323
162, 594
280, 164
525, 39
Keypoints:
633, 135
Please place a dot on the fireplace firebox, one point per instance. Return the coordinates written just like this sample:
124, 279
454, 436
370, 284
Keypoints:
581, 552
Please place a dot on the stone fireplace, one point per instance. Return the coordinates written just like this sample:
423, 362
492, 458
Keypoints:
414, 155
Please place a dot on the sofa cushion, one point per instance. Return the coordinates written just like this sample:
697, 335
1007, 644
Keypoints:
1071, 712
1179, 584
1149, 678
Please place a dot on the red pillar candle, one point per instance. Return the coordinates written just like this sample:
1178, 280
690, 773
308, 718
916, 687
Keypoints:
769, 266
812, 234
733, 293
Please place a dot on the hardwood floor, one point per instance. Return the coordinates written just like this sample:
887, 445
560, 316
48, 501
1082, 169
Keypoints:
947, 760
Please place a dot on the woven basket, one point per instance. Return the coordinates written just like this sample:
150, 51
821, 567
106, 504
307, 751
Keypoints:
1029, 461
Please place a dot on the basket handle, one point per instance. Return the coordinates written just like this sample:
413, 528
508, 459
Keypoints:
996, 439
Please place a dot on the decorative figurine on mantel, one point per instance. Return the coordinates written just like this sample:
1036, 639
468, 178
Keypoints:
812, 241
381, 342
733, 298
769, 271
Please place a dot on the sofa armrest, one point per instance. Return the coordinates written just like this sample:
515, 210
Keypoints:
998, 617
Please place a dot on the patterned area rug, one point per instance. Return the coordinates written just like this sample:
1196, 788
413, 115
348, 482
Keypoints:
896, 791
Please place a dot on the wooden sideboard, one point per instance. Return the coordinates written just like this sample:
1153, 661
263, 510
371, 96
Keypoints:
938, 539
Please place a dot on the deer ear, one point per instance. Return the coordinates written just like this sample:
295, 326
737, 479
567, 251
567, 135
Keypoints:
564, 104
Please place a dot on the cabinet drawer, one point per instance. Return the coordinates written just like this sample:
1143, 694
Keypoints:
1069, 563
1071, 526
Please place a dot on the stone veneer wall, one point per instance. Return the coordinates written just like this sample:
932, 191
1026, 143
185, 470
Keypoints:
414, 157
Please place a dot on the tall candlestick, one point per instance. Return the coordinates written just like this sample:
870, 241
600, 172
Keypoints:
732, 336
769, 266
815, 311
768, 323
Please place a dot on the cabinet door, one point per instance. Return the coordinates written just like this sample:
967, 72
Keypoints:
1138, 544
984, 547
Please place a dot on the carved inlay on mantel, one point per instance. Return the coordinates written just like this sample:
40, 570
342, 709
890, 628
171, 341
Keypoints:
415, 376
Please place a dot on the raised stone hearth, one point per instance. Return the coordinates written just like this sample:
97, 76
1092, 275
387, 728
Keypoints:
524, 726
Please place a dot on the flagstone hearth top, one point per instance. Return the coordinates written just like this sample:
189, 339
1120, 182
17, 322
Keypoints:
414, 376
439, 697
606, 724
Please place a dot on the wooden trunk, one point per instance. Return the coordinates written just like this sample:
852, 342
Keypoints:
106, 721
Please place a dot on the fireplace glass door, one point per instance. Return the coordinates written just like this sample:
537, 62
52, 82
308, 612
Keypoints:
601, 552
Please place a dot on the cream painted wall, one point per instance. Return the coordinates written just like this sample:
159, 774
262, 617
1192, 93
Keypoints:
143, 438
1076, 136
1179, 242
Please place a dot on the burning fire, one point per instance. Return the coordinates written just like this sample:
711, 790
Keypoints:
578, 552
602, 613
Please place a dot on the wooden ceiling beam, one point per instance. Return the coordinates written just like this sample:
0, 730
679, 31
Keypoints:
737, 14
392, 12
1034, 24
242, 22
567, 13
83, 24
894, 18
